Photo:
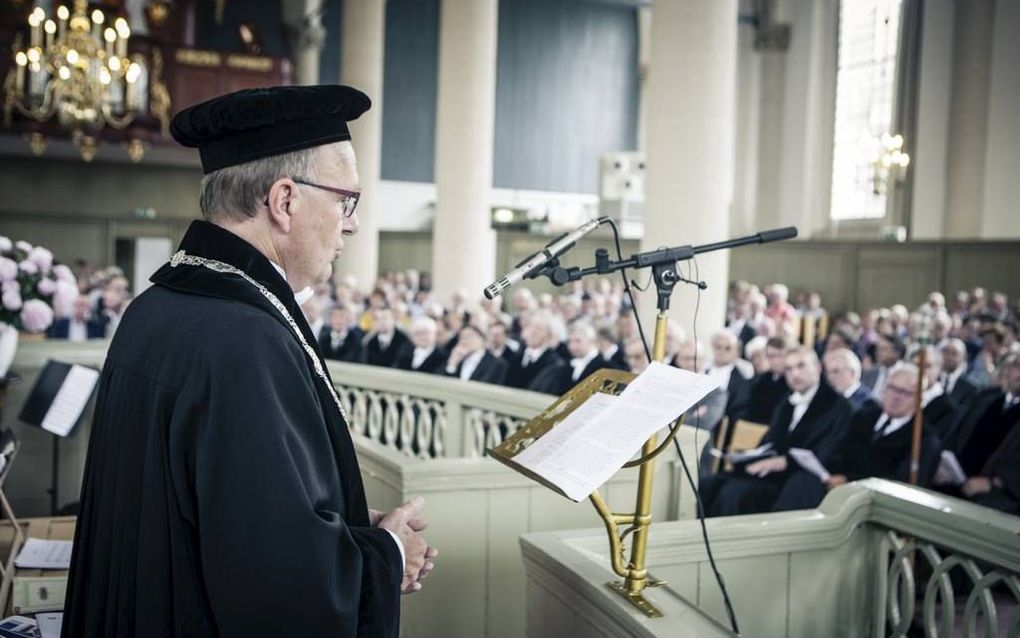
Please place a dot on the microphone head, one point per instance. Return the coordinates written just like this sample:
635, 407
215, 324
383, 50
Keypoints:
491, 291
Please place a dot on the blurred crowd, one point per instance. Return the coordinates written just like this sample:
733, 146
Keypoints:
844, 388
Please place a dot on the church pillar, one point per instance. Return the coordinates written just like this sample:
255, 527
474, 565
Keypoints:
968, 118
463, 242
691, 121
361, 66
307, 35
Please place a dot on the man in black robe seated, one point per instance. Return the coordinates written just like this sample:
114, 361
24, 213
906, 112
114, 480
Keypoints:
470, 361
954, 371
222, 494
879, 438
768, 388
538, 366
843, 372
730, 372
987, 444
585, 358
425, 356
813, 417
385, 344
610, 349
342, 340
940, 411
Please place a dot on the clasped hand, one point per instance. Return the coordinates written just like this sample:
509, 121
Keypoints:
767, 466
407, 523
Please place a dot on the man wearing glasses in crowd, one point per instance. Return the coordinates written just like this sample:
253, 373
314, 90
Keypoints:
222, 495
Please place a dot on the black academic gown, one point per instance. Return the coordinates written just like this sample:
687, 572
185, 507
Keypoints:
539, 376
863, 454
433, 364
982, 430
940, 415
1003, 467
375, 355
222, 494
490, 369
566, 379
347, 350
820, 430
765, 393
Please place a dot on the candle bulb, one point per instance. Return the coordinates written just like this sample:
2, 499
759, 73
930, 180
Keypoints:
51, 29
22, 61
123, 33
110, 36
62, 15
35, 22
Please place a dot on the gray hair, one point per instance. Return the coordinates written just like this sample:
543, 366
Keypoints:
236, 192
849, 359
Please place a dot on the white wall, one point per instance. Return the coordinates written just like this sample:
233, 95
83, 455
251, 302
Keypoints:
1002, 163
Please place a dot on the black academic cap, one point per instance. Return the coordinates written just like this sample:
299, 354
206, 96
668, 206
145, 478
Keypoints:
256, 123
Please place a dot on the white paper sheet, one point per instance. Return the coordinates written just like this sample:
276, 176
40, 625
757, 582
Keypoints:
38, 553
49, 624
950, 472
753, 454
70, 401
807, 460
595, 440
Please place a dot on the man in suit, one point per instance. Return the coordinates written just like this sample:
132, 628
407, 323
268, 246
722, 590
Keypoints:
739, 325
843, 372
813, 417
341, 340
80, 326
879, 438
610, 349
500, 343
585, 358
954, 371
385, 345
424, 356
707, 413
769, 388
987, 444
635, 356
889, 351
537, 368
940, 411
726, 372
470, 361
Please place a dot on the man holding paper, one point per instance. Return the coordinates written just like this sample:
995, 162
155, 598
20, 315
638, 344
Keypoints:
813, 417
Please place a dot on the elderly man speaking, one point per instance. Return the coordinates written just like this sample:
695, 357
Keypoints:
222, 495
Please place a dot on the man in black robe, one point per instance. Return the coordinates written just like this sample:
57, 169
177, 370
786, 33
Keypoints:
585, 358
222, 495
768, 388
425, 355
987, 444
813, 418
537, 367
386, 344
879, 438
843, 372
341, 339
470, 361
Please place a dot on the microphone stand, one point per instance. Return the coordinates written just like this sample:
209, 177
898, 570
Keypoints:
663, 262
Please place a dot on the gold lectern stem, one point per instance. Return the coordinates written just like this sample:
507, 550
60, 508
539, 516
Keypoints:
635, 573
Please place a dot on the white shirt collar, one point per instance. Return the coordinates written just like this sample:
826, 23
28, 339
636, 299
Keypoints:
470, 363
580, 363
419, 356
721, 374
936, 390
300, 296
800, 402
850, 392
954, 376
886, 428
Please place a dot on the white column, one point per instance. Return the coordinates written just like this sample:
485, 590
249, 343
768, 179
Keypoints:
691, 109
361, 66
1002, 188
307, 36
463, 242
968, 118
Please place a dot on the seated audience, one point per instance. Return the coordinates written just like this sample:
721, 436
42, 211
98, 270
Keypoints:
585, 358
889, 351
384, 345
80, 326
954, 369
843, 372
425, 356
538, 367
769, 388
470, 361
813, 418
341, 340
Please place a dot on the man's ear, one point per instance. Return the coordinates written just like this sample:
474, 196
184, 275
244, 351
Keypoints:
282, 198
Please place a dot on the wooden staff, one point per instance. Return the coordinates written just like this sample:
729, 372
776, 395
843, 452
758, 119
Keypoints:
915, 449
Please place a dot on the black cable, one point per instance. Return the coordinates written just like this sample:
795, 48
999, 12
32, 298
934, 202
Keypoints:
683, 462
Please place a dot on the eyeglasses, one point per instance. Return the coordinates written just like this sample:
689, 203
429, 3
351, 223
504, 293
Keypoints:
904, 393
348, 203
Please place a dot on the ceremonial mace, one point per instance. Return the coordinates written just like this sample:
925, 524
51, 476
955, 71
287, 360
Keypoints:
923, 338
663, 263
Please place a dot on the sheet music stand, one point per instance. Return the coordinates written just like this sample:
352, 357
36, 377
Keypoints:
36, 407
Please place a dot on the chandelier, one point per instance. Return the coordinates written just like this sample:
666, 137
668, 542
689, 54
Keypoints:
890, 167
77, 70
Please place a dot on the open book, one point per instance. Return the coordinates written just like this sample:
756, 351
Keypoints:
59, 397
595, 440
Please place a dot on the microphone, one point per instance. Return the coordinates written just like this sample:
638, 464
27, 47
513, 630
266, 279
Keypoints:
551, 251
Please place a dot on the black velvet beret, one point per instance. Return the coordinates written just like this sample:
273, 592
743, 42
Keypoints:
256, 123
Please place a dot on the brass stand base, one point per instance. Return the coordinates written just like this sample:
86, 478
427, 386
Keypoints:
636, 598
